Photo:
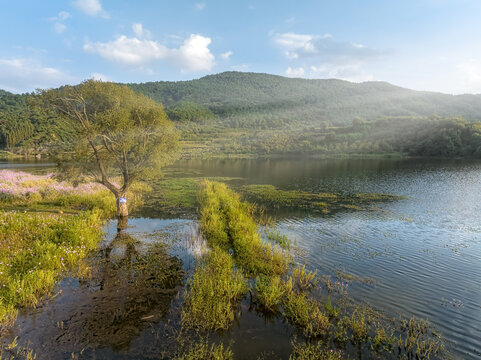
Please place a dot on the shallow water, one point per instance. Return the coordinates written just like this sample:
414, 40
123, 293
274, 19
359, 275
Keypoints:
421, 255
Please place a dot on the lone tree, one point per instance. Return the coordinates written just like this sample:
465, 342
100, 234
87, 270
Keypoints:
117, 133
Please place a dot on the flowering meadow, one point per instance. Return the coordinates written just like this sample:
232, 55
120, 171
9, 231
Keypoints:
19, 188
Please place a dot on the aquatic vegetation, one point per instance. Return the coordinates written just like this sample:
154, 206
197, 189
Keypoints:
213, 293
35, 249
13, 351
280, 239
306, 314
201, 350
420, 339
227, 222
269, 292
331, 310
314, 351
317, 202
131, 286
304, 279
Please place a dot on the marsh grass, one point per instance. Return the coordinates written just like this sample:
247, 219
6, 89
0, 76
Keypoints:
13, 351
201, 350
317, 202
280, 239
269, 292
314, 351
213, 293
35, 249
306, 314
228, 222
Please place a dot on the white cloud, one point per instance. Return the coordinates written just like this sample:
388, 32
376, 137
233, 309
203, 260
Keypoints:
91, 8
323, 56
22, 75
128, 51
295, 72
139, 30
193, 55
200, 6
59, 28
226, 55
99, 76
251, 7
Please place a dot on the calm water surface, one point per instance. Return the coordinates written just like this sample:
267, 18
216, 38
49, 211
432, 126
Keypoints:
423, 253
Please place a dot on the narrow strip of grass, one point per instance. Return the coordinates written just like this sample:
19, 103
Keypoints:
228, 222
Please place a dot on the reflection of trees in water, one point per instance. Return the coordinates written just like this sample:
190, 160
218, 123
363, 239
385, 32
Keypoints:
130, 290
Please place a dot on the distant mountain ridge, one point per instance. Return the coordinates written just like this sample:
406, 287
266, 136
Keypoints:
337, 101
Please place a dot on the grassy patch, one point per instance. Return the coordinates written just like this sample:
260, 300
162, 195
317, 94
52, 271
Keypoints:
213, 293
174, 195
317, 202
35, 250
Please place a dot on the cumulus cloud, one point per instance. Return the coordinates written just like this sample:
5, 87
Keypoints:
22, 75
226, 55
323, 56
91, 8
136, 52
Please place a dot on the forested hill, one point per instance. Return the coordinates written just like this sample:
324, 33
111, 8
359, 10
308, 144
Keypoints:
239, 114
335, 101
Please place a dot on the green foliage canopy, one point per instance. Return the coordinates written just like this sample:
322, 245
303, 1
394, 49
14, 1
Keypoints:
117, 133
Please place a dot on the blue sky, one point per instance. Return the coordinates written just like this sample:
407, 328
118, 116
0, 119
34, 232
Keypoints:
424, 44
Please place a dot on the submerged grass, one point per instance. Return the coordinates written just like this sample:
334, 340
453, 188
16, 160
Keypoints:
229, 227
213, 293
317, 202
203, 351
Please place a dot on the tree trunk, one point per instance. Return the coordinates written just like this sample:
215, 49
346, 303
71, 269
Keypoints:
122, 210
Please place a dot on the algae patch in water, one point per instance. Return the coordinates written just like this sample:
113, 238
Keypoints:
317, 202
130, 287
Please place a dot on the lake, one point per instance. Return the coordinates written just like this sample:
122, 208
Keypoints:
420, 256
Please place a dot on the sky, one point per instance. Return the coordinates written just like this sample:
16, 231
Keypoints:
432, 45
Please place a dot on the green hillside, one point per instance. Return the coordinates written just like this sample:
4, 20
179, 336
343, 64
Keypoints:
249, 114
279, 101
